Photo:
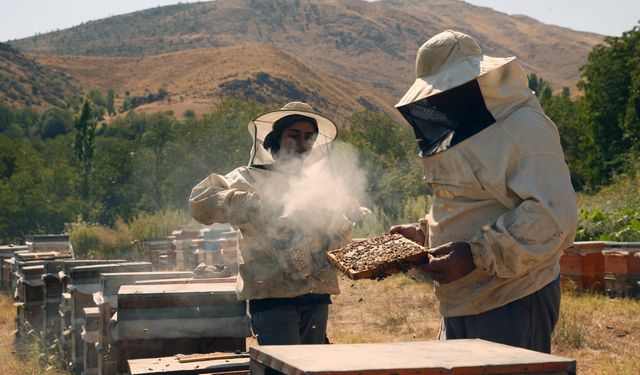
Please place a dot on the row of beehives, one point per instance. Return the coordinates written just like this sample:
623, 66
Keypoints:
100, 314
606, 267
188, 247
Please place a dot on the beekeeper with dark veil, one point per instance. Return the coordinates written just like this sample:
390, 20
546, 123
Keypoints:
287, 227
503, 208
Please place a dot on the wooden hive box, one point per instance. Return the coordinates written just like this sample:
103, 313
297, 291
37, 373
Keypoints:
54, 280
7, 252
64, 333
622, 272
50, 243
84, 282
90, 339
7, 275
30, 284
583, 263
167, 319
107, 301
462, 357
154, 250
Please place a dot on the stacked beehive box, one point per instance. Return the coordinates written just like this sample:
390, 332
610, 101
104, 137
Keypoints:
84, 282
622, 272
55, 280
50, 243
29, 291
157, 252
166, 319
220, 245
186, 243
29, 298
7, 275
107, 301
6, 253
90, 340
611, 267
583, 265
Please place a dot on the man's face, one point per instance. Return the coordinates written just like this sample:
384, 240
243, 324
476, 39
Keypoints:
297, 140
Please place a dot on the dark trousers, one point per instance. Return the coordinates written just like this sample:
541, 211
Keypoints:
526, 323
291, 324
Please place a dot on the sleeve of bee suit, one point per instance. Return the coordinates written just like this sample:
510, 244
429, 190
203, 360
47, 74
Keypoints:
539, 228
223, 199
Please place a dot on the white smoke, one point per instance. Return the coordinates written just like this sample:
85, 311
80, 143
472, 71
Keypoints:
328, 183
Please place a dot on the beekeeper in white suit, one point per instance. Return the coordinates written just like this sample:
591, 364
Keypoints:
503, 206
286, 227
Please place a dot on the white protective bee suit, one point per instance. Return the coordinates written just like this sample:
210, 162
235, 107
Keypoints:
503, 186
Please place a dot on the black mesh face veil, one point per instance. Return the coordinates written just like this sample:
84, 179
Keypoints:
443, 120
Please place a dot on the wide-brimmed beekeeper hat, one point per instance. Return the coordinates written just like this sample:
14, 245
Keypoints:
262, 125
447, 60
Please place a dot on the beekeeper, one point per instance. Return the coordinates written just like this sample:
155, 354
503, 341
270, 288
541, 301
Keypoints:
503, 207
281, 212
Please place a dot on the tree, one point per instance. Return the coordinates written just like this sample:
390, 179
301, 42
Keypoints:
85, 126
389, 153
54, 122
538, 85
610, 81
111, 106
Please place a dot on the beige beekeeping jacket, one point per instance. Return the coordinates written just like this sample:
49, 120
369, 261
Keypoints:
266, 269
506, 190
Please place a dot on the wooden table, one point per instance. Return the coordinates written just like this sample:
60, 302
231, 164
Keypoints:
461, 357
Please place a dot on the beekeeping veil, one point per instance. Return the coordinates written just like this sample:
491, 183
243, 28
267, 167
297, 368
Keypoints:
262, 125
445, 104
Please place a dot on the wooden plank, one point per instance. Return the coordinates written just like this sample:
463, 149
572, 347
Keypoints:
138, 349
189, 280
172, 365
425, 357
186, 358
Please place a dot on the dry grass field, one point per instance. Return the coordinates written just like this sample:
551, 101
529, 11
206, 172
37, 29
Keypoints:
602, 334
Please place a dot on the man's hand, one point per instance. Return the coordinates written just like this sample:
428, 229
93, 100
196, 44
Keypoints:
409, 231
450, 262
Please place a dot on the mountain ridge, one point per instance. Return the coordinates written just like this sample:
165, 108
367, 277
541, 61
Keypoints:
368, 38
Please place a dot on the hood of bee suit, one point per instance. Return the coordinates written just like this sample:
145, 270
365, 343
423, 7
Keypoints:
459, 91
261, 125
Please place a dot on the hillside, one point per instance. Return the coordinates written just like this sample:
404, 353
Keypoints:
197, 78
370, 43
25, 82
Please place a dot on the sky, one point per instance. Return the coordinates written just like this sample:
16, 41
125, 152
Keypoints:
24, 18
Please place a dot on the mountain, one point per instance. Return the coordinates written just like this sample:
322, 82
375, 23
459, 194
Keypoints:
197, 78
25, 82
368, 47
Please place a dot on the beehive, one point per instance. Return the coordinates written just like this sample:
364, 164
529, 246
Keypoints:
55, 279
84, 282
31, 296
622, 273
107, 301
404, 358
90, 340
7, 252
161, 320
